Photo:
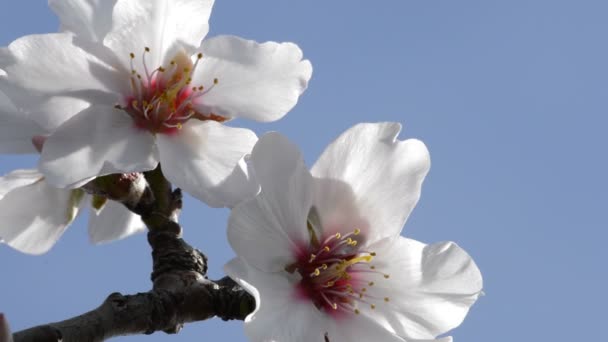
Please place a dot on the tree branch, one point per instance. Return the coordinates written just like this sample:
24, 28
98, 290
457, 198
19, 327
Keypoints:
181, 292
145, 313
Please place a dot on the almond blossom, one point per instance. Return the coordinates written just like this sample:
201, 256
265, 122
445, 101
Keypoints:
34, 214
156, 93
322, 254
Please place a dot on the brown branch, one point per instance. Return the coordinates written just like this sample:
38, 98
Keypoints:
145, 313
181, 292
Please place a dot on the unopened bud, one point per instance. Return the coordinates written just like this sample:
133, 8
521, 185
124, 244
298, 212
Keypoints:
122, 187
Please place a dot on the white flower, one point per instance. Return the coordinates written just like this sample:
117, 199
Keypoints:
157, 93
5, 330
33, 213
322, 252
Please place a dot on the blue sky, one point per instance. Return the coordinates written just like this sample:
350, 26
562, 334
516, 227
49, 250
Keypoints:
510, 97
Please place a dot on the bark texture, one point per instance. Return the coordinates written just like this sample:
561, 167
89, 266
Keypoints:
181, 292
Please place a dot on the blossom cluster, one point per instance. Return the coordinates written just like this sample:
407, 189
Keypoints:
128, 85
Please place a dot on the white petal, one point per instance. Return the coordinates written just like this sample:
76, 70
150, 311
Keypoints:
300, 320
26, 115
16, 129
385, 176
240, 185
35, 216
269, 230
201, 157
17, 179
89, 19
6, 105
359, 328
256, 81
52, 63
52, 112
431, 287
98, 141
165, 26
113, 222
43, 113
275, 301
5, 330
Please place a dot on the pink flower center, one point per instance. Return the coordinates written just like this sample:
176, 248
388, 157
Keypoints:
336, 274
162, 100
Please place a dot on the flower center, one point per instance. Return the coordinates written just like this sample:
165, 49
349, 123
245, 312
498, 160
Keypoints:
336, 274
162, 100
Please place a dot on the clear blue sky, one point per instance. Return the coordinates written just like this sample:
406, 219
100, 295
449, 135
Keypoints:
511, 98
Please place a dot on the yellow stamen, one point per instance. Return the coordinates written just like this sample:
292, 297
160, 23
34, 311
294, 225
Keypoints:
364, 258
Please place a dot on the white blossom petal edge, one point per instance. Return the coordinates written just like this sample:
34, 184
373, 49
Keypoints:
34, 214
323, 254
150, 81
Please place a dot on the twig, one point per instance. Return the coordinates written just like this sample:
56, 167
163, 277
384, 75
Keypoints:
181, 292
